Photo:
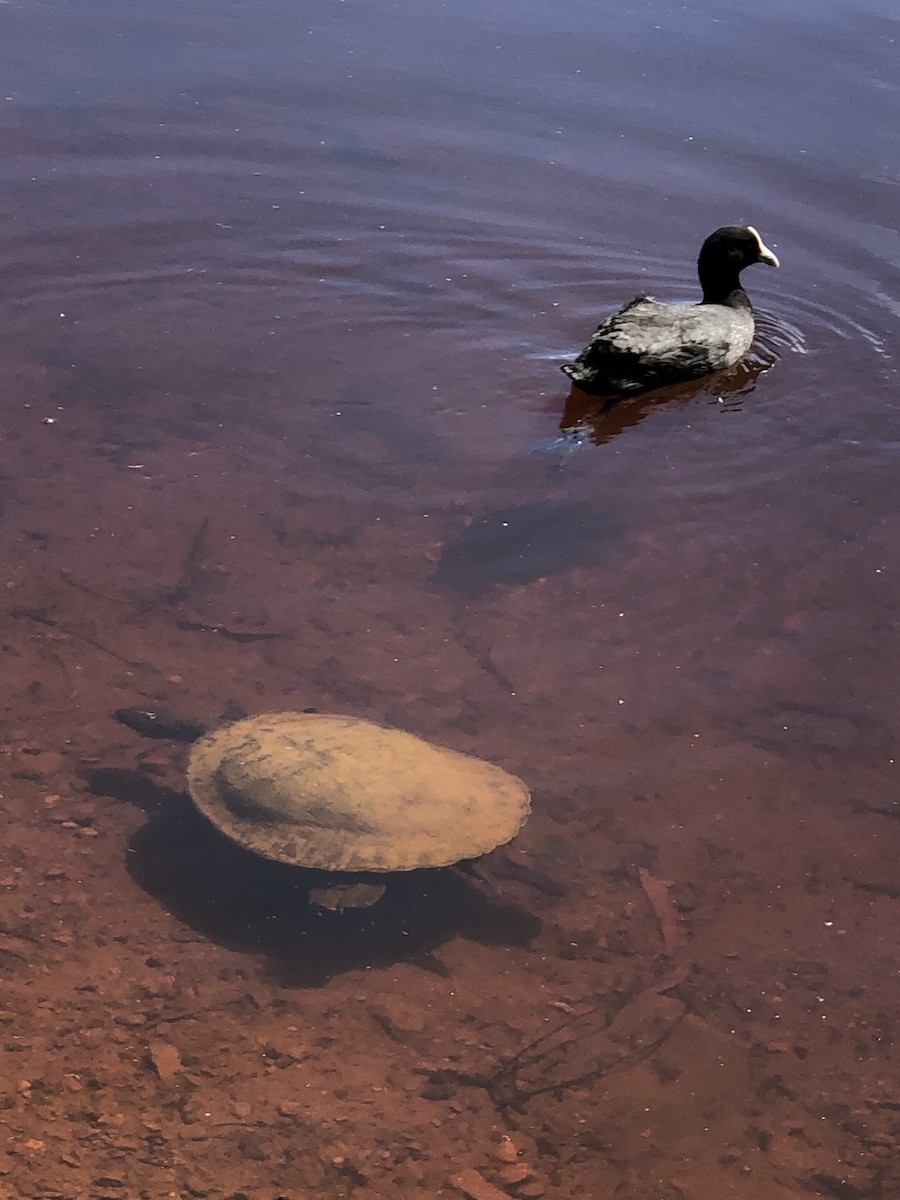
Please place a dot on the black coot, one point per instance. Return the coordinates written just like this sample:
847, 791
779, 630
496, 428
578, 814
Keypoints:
647, 344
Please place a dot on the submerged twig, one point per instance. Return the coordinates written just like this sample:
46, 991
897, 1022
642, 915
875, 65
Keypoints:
236, 635
586, 1048
611, 1034
72, 632
187, 580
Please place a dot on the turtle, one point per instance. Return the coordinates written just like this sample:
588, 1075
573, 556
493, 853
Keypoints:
349, 797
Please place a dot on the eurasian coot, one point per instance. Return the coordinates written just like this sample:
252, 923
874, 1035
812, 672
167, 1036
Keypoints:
647, 344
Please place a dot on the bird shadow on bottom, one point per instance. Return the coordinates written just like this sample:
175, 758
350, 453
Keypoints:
247, 903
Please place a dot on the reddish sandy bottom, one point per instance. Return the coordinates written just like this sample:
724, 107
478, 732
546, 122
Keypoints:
684, 987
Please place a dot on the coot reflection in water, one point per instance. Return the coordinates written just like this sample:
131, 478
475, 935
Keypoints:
600, 419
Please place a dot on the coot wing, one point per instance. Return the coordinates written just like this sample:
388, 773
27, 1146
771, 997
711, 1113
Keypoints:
647, 344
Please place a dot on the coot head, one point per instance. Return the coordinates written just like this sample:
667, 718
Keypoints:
724, 255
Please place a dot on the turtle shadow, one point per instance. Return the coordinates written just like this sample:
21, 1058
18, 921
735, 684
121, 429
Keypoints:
249, 904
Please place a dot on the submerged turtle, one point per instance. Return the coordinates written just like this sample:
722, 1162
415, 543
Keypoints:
348, 796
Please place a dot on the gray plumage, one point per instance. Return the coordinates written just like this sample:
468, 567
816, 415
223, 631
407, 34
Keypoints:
648, 344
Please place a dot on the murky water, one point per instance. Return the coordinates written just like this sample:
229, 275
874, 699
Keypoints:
285, 293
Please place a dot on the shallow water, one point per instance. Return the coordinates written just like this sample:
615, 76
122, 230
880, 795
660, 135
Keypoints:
286, 291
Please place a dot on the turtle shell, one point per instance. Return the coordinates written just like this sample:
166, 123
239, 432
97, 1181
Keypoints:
342, 794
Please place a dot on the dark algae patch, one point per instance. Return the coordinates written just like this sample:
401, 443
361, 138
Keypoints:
525, 543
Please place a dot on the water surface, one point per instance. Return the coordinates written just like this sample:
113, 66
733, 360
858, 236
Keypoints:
286, 290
